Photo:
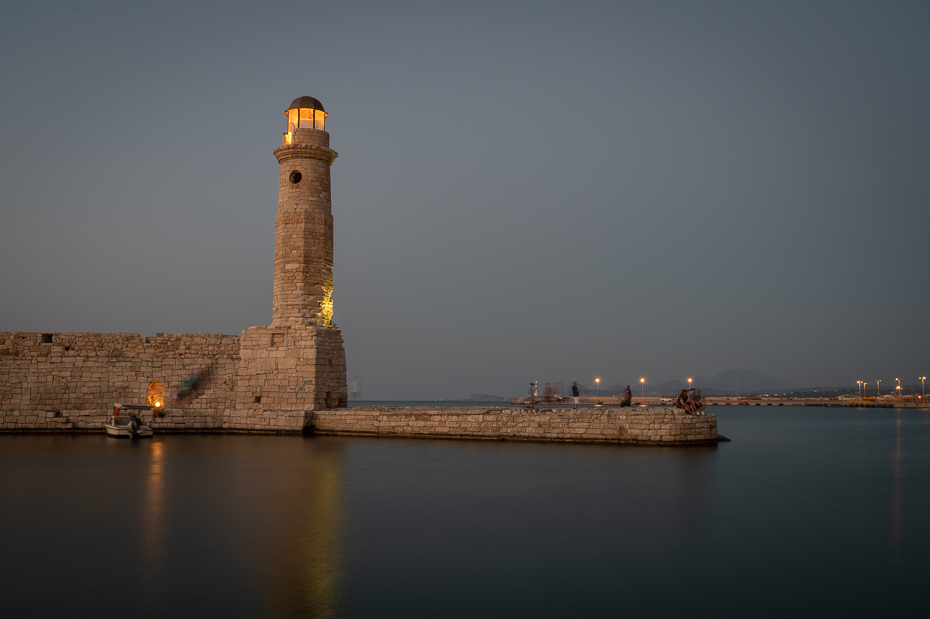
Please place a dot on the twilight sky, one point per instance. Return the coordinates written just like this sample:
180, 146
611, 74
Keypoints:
524, 190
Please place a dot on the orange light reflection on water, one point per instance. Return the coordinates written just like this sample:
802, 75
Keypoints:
152, 552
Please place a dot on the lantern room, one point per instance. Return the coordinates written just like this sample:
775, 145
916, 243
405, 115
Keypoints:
304, 113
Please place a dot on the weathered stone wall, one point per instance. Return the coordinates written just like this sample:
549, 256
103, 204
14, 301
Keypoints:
644, 426
277, 379
51, 381
286, 371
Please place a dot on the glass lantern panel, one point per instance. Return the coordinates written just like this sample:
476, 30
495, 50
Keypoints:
311, 119
291, 120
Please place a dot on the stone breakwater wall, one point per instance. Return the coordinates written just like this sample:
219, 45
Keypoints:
269, 379
276, 379
70, 381
639, 426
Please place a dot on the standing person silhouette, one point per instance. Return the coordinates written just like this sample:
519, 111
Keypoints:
575, 392
627, 397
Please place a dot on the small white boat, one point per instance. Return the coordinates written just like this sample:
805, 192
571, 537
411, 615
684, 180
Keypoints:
129, 424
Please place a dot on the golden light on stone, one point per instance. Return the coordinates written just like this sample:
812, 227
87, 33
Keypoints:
326, 305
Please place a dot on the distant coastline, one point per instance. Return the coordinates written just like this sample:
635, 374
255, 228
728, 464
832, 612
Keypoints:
483, 397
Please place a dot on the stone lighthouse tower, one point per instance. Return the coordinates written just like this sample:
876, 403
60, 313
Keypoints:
297, 364
303, 245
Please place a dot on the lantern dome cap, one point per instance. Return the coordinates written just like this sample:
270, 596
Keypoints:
307, 102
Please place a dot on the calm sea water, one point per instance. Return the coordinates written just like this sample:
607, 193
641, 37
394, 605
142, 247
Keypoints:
812, 512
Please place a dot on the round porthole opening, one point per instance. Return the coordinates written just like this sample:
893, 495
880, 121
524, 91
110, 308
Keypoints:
295, 177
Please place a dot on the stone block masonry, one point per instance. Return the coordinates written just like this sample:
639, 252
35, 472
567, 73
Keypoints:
285, 379
285, 372
266, 380
633, 426
70, 381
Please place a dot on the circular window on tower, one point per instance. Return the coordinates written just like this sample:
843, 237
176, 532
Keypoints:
295, 177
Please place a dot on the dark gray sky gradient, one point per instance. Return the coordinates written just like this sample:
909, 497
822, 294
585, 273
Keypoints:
524, 191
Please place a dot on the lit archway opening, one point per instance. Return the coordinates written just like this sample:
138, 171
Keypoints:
156, 394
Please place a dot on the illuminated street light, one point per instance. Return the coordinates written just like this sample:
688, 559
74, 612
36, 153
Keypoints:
878, 388
689, 382
737, 390
864, 392
642, 387
922, 379
597, 382
859, 387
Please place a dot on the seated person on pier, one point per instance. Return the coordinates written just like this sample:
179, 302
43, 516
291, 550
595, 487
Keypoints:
684, 402
697, 402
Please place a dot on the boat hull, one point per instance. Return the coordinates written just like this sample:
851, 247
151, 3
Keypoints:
121, 431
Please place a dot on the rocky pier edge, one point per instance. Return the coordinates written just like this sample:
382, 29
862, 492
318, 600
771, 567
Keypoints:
639, 426
633, 426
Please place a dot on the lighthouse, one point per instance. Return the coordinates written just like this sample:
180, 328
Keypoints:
303, 247
296, 364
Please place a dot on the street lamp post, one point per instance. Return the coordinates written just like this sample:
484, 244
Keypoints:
597, 382
878, 389
864, 392
737, 390
642, 387
689, 383
859, 388
922, 379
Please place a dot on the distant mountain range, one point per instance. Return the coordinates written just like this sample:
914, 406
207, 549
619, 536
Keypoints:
722, 383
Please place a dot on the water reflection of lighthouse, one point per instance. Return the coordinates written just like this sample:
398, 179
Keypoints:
320, 543
311, 555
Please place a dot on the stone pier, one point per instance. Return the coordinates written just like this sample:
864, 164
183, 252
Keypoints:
634, 426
